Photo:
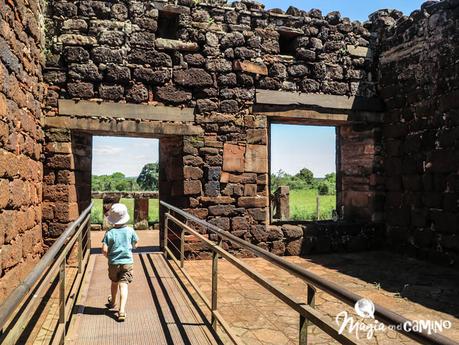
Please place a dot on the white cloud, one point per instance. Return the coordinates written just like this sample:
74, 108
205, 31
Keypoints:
120, 154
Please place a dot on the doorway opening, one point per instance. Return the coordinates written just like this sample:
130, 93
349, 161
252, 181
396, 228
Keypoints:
303, 165
126, 170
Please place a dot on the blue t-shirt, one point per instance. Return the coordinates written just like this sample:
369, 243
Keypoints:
119, 242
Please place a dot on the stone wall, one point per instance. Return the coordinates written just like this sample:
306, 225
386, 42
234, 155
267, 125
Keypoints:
21, 137
67, 180
212, 59
419, 81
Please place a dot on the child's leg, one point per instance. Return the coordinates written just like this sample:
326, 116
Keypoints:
124, 296
114, 289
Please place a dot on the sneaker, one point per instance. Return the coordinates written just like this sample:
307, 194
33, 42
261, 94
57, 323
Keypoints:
110, 304
121, 317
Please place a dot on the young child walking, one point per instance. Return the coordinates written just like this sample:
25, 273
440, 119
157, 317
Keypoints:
117, 246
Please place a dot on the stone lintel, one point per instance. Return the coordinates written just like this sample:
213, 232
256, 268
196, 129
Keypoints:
294, 115
153, 129
125, 110
312, 100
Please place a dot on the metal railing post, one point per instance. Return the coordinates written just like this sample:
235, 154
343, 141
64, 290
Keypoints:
214, 299
80, 252
166, 229
62, 297
304, 323
182, 248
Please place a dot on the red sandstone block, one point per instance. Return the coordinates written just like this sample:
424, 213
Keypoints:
250, 190
4, 193
49, 178
18, 193
30, 217
21, 221
27, 243
4, 132
48, 211
9, 220
58, 147
201, 213
8, 164
252, 202
3, 105
60, 192
65, 177
65, 212
233, 158
61, 162
11, 253
256, 158
192, 187
54, 230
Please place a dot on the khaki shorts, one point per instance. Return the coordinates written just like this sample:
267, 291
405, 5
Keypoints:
120, 273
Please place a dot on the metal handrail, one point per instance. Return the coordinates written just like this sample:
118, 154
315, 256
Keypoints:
46, 263
382, 314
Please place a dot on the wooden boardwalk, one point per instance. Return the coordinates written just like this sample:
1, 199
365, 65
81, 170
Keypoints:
159, 311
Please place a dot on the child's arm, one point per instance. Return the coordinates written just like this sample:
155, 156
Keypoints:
134, 240
105, 250
105, 245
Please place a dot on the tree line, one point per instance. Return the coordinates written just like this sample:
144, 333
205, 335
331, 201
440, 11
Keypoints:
305, 179
148, 180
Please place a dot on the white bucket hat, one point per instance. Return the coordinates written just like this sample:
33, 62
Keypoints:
118, 214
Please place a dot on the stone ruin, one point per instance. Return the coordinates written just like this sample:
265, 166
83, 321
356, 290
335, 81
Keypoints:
207, 80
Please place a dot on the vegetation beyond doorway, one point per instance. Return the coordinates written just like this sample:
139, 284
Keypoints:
117, 169
311, 175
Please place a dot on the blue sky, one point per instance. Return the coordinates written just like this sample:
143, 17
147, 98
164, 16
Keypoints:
354, 9
297, 147
294, 147
126, 155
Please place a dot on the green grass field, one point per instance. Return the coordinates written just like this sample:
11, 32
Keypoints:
303, 205
153, 211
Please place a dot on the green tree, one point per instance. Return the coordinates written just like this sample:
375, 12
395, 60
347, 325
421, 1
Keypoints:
306, 175
322, 189
149, 177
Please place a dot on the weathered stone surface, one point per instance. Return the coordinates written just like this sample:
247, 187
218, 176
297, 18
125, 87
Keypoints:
192, 173
233, 158
292, 231
294, 248
80, 90
221, 210
115, 52
170, 94
193, 77
253, 202
256, 159
151, 76
192, 187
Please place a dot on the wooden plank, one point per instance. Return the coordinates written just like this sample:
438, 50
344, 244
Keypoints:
319, 101
126, 127
125, 110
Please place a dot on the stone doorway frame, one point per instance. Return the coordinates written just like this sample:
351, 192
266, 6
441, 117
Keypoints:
85, 119
272, 122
